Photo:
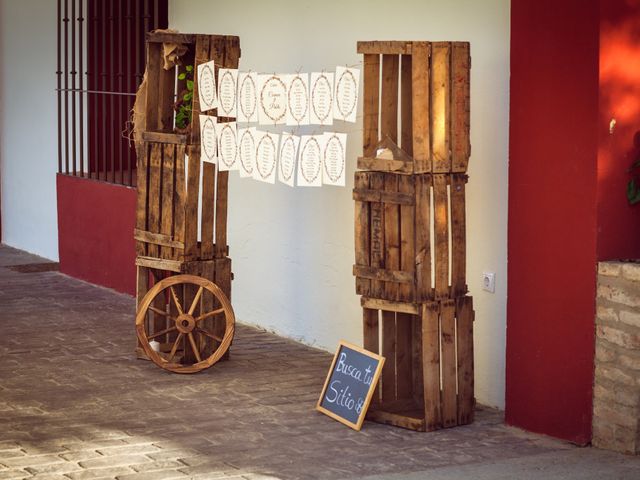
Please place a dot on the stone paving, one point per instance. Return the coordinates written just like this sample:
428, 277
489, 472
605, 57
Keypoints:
76, 404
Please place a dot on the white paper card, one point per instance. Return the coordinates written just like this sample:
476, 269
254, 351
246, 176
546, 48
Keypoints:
208, 138
289, 144
345, 104
246, 151
334, 155
310, 161
227, 146
272, 100
298, 99
227, 92
266, 156
247, 109
321, 98
207, 86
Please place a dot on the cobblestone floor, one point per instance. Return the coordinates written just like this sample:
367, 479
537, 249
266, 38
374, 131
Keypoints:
76, 404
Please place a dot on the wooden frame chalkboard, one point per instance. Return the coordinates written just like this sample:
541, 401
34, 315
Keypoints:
349, 387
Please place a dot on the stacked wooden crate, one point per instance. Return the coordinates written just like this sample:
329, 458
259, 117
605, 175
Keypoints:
169, 179
410, 231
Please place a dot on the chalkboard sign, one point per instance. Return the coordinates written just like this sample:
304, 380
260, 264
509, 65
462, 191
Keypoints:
352, 379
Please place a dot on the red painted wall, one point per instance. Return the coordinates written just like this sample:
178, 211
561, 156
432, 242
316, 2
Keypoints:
552, 216
95, 232
618, 222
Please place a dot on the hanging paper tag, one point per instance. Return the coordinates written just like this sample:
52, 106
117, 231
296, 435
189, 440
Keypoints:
334, 157
310, 161
345, 105
298, 99
207, 86
227, 92
321, 98
287, 158
272, 100
266, 156
247, 108
208, 138
227, 146
246, 151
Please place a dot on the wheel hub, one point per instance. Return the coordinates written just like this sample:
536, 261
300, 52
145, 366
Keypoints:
185, 323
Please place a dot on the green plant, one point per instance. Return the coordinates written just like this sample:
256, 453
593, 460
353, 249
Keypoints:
185, 97
633, 187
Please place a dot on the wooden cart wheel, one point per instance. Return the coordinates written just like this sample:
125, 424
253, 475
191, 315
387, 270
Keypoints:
187, 325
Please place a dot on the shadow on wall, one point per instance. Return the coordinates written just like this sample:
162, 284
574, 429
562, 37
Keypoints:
619, 123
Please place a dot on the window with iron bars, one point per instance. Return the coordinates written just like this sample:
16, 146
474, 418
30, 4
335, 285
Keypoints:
101, 61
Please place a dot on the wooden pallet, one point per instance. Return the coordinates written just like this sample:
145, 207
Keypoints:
168, 172
410, 244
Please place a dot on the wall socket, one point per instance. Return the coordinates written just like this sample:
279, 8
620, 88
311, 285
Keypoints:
489, 281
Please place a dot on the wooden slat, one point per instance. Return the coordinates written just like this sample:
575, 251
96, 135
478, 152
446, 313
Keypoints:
458, 236
201, 56
166, 222
389, 98
404, 327
376, 182
387, 47
371, 338
423, 239
460, 106
406, 110
158, 322
143, 152
387, 305
391, 236
449, 380
389, 353
406, 186
191, 207
154, 59
166, 37
223, 280
383, 165
179, 200
420, 105
416, 360
431, 365
381, 274
208, 209
361, 234
371, 97
397, 419
155, 172
159, 263
368, 195
441, 107
142, 287
158, 137
441, 236
464, 339
157, 238
166, 99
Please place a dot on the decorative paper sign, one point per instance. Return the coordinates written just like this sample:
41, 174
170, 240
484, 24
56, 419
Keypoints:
287, 158
272, 100
350, 385
246, 151
227, 146
208, 138
310, 161
334, 157
247, 109
298, 99
227, 89
207, 86
345, 103
321, 98
266, 156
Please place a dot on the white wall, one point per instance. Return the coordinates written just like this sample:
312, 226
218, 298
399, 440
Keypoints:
293, 248
28, 142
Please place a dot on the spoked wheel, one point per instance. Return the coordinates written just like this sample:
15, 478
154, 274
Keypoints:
190, 343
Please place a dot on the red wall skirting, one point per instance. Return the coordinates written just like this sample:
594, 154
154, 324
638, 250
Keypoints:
552, 216
95, 232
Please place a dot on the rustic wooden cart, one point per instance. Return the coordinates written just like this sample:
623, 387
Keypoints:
184, 319
410, 231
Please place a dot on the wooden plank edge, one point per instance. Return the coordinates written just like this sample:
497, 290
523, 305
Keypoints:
384, 47
389, 306
163, 137
368, 195
158, 263
396, 419
374, 273
156, 238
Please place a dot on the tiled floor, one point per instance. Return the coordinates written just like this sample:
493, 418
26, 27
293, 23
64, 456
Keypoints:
76, 404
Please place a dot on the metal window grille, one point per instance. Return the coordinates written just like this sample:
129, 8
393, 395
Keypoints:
101, 60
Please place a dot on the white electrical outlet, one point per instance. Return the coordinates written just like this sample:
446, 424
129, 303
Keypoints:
489, 281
